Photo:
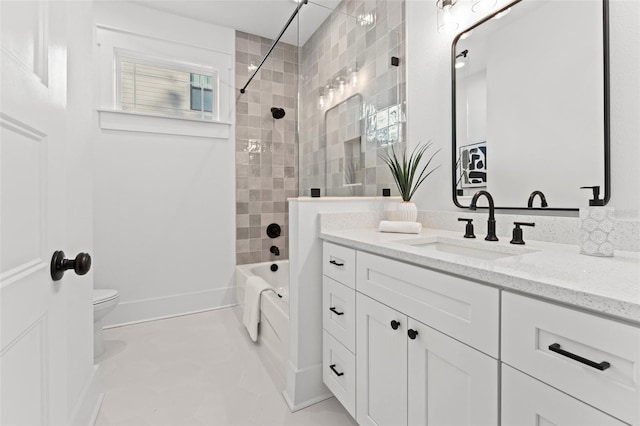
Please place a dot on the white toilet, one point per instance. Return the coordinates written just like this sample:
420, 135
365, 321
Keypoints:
104, 301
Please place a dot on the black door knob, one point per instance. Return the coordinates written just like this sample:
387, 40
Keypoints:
395, 324
81, 264
412, 333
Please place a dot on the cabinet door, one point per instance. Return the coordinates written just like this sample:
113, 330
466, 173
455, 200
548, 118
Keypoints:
450, 383
381, 363
529, 402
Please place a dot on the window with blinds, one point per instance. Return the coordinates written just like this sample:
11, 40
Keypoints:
167, 89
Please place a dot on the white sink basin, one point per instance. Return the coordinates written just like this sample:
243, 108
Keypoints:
476, 249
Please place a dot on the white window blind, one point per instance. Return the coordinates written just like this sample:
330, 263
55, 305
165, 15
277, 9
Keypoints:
168, 89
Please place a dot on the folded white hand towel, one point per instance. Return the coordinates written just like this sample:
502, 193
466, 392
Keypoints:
251, 316
400, 227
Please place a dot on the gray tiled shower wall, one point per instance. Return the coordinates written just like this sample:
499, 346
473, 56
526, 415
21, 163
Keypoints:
340, 139
266, 150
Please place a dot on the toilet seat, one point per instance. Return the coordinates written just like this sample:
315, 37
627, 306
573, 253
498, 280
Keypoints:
103, 295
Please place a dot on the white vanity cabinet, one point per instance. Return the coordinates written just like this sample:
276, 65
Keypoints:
381, 364
409, 367
339, 324
593, 359
529, 402
409, 373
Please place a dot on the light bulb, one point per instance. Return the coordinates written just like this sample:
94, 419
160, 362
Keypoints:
354, 78
321, 102
341, 85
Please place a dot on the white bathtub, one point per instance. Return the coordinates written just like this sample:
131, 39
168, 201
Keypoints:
273, 331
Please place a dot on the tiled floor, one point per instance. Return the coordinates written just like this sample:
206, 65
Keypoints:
197, 369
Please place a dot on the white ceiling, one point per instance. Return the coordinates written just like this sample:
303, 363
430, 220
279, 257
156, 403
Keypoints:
261, 17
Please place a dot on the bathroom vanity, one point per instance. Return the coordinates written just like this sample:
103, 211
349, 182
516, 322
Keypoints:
436, 329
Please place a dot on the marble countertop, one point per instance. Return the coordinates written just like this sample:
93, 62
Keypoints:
607, 285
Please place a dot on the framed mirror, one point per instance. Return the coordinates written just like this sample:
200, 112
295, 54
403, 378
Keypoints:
530, 96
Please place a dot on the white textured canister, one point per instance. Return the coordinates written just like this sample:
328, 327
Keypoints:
597, 231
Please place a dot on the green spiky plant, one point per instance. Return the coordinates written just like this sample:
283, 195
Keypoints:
404, 169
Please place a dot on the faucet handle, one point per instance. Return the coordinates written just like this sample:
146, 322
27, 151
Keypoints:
469, 228
517, 232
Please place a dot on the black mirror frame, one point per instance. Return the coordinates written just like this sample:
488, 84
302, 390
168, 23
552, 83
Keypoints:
607, 127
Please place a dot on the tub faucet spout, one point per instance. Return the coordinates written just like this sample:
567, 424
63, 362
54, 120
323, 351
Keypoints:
275, 250
543, 200
491, 223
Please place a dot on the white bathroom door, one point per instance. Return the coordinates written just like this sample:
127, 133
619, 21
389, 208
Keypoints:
33, 108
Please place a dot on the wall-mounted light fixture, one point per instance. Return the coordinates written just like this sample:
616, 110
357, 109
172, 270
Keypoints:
461, 59
339, 86
447, 22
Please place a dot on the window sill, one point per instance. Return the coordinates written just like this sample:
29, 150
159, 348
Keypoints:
147, 123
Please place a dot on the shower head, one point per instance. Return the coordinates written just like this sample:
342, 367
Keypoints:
277, 112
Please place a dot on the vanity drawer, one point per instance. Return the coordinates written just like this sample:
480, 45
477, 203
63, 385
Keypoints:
534, 331
339, 263
464, 310
339, 312
529, 402
339, 372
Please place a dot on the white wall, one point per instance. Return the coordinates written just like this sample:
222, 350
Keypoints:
164, 203
429, 102
304, 367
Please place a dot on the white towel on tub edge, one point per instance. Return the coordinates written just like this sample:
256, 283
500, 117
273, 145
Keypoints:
251, 316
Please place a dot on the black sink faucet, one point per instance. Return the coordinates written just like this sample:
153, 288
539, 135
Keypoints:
543, 200
491, 223
275, 250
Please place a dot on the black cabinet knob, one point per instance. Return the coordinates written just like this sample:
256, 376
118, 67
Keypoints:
81, 264
412, 333
395, 324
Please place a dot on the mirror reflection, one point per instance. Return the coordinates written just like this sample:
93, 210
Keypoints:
530, 105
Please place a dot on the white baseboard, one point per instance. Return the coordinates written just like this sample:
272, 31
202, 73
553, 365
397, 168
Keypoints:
86, 410
131, 312
304, 387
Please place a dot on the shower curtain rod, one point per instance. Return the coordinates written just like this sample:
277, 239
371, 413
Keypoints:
295, 12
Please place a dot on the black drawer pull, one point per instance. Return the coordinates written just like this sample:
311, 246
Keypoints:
335, 311
333, 368
333, 262
395, 324
412, 334
599, 366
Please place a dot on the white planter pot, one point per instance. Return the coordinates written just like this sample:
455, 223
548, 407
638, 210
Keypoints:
406, 211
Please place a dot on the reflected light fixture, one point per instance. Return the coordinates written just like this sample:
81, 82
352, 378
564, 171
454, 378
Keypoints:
353, 78
341, 85
461, 59
447, 23
330, 93
480, 6
502, 14
465, 35
366, 19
